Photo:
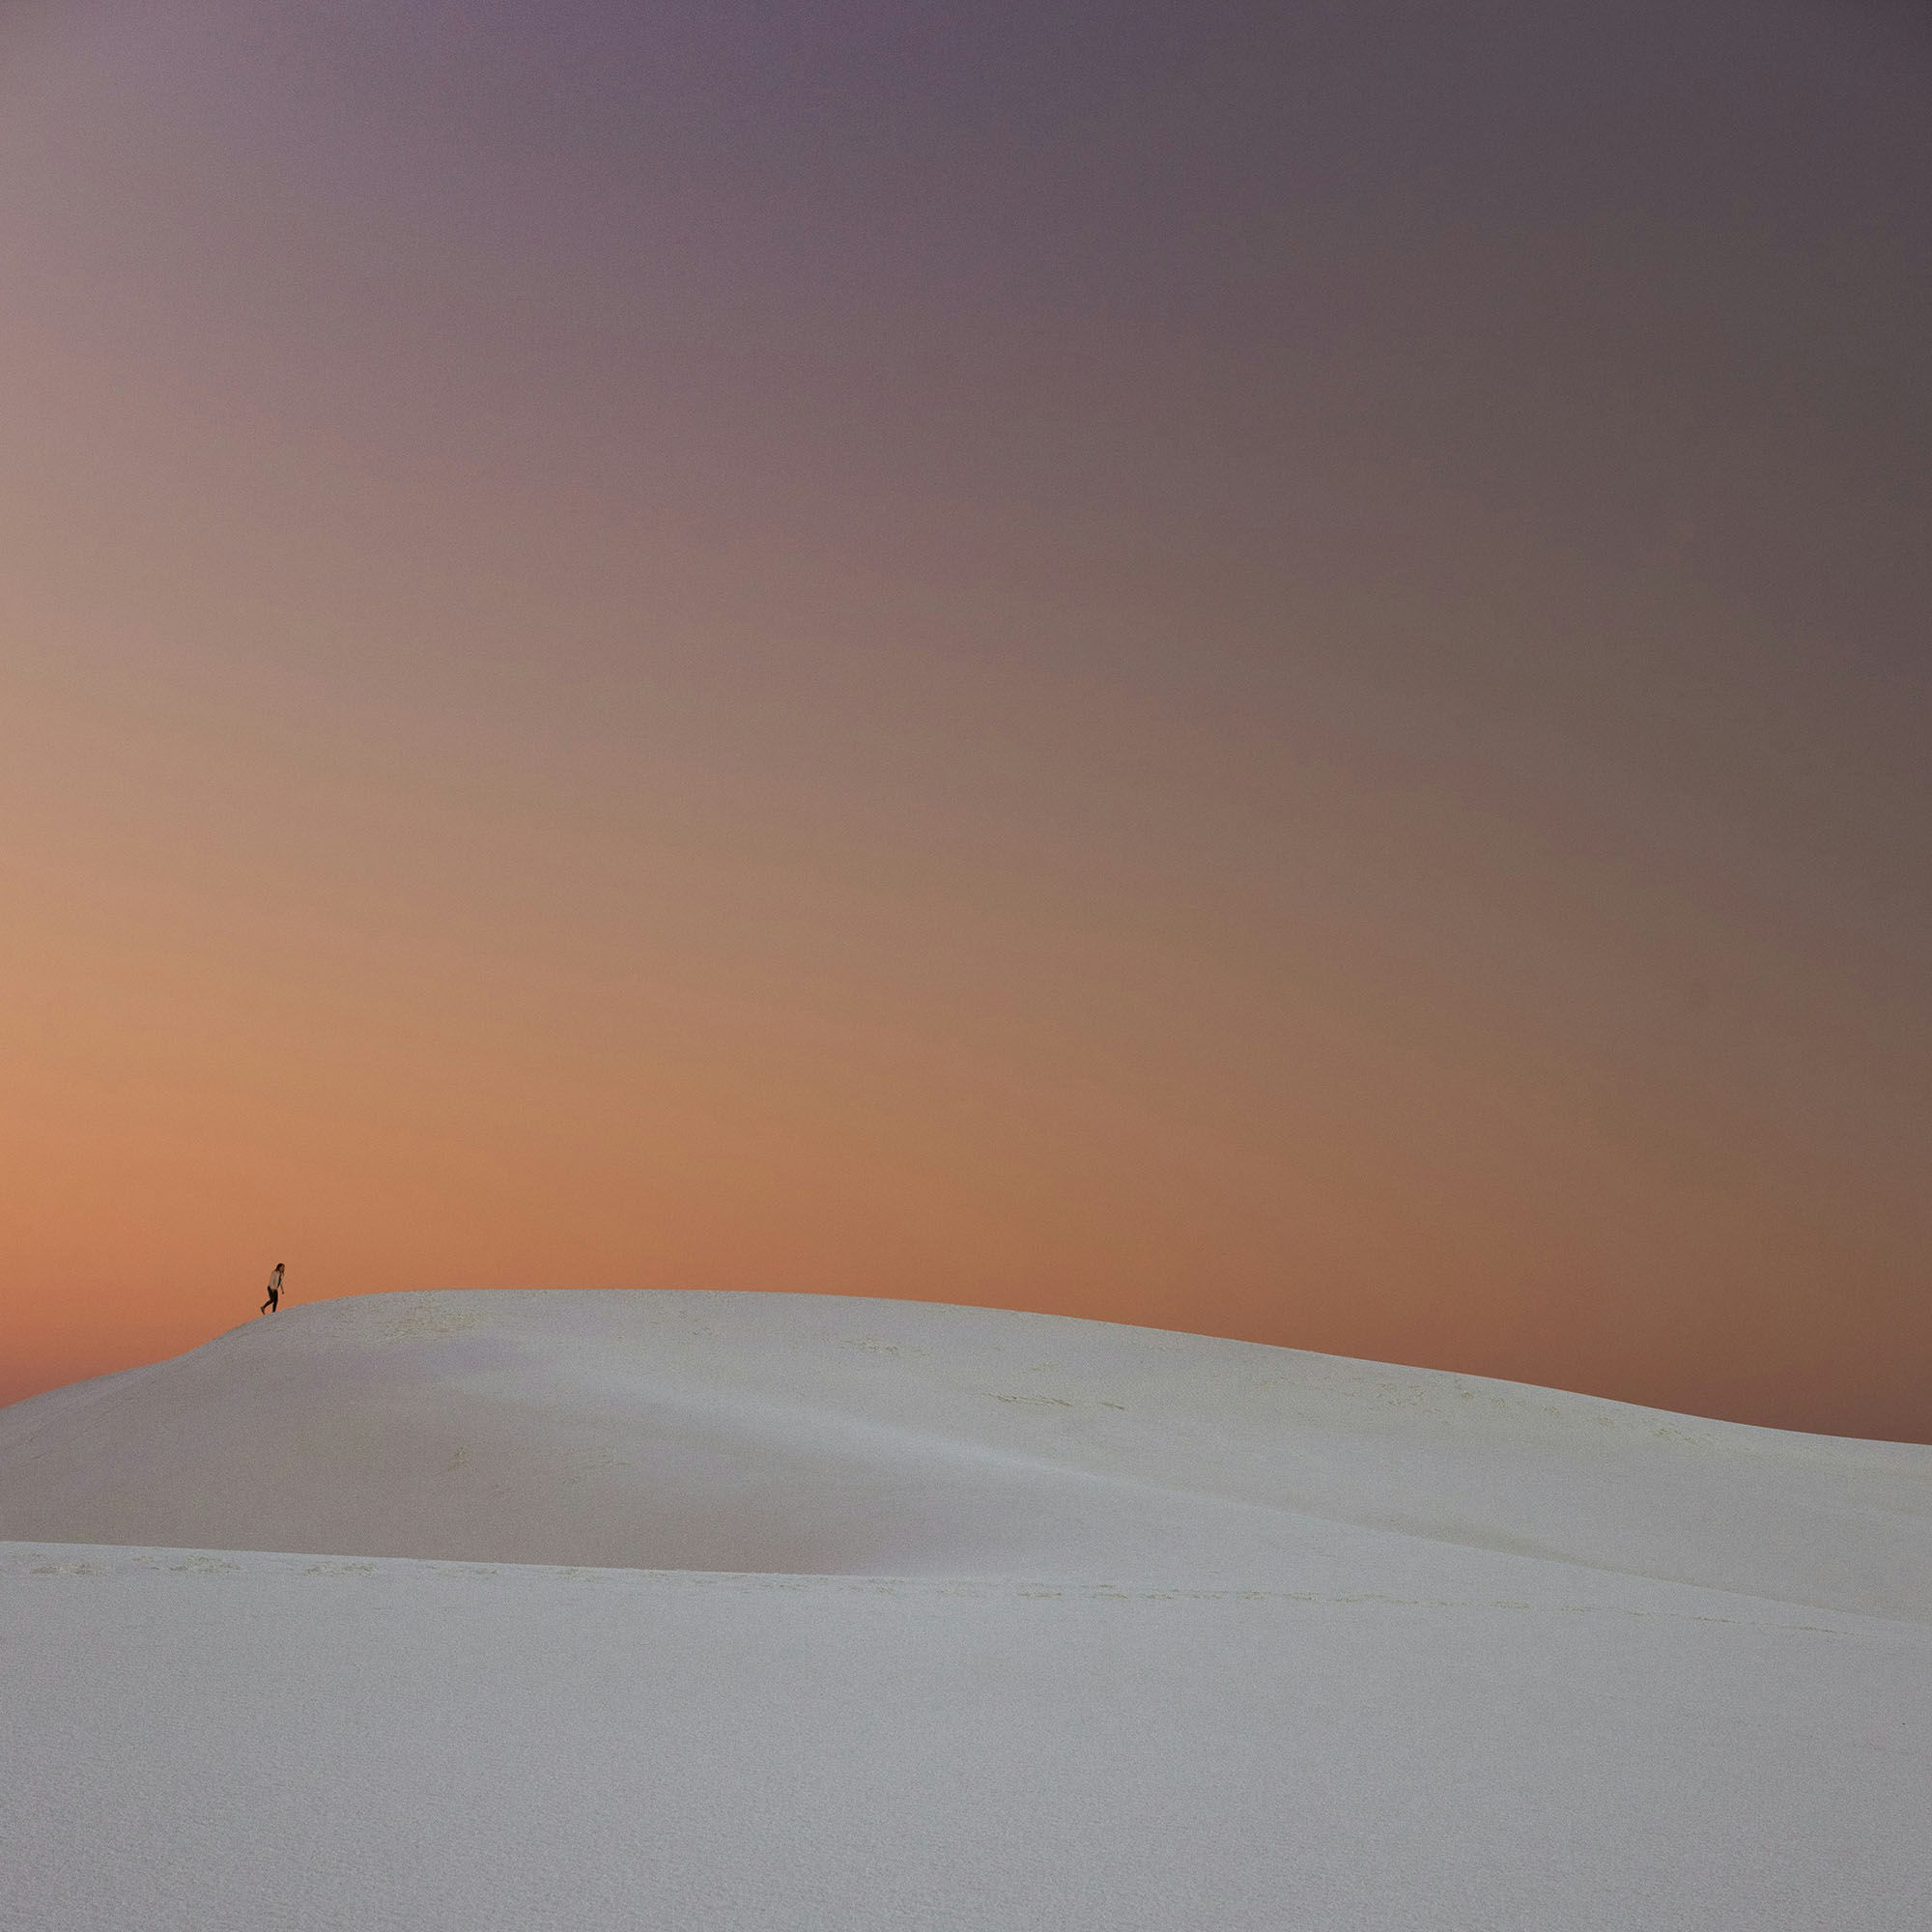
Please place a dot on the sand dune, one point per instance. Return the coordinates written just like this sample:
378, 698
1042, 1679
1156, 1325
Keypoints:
809, 1434
748, 1610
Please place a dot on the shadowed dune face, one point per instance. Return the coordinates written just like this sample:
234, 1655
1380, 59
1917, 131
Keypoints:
799, 1434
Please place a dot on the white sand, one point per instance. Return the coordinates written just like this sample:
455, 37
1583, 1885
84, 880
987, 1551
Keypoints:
1041, 1623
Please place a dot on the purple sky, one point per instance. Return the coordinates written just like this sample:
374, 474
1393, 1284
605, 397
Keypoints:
1260, 668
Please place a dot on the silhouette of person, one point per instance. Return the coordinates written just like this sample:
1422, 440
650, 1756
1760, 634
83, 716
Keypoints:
274, 1300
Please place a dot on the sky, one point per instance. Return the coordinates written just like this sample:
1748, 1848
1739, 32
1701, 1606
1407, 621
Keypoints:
1256, 668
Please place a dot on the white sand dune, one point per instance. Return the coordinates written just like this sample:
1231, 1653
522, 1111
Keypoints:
767, 1610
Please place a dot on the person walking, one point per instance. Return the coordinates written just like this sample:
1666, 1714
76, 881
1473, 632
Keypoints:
274, 1300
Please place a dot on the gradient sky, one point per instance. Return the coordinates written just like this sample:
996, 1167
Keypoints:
1259, 668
